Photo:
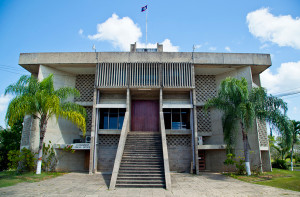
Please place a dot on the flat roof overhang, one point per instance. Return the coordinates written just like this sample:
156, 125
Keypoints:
63, 61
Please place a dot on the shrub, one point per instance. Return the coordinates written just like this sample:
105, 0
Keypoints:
49, 158
23, 160
281, 164
240, 165
238, 161
9, 140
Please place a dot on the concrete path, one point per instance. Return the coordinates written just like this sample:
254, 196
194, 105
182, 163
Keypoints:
206, 184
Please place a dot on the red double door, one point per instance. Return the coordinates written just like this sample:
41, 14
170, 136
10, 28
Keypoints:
144, 115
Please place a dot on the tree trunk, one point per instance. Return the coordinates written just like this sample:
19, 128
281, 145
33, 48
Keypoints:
43, 127
292, 167
246, 150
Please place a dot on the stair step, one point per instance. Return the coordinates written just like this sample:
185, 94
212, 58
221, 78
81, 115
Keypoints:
142, 162
142, 154
141, 168
141, 172
140, 181
140, 178
140, 185
158, 175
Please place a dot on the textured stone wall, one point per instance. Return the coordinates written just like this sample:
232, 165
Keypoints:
179, 150
265, 157
106, 152
25, 140
214, 160
70, 162
85, 85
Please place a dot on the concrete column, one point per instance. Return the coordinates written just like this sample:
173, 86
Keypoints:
160, 100
128, 106
195, 132
94, 134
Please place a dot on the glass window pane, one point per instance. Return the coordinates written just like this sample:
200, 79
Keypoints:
103, 118
176, 124
121, 117
167, 117
113, 119
185, 117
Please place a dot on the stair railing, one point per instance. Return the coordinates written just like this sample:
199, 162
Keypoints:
165, 151
118, 159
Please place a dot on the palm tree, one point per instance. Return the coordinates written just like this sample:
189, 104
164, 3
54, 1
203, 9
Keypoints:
295, 139
240, 109
40, 100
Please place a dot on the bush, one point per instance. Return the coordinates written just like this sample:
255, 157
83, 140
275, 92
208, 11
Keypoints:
238, 161
49, 158
23, 160
240, 165
281, 164
9, 140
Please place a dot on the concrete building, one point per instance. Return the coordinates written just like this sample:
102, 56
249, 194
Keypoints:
145, 91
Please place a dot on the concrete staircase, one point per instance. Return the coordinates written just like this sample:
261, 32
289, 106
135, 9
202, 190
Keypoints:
142, 161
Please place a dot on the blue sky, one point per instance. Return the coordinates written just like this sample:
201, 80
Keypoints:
257, 26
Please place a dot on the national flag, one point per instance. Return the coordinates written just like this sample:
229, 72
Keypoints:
144, 8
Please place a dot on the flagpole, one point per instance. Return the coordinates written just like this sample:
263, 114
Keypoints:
146, 26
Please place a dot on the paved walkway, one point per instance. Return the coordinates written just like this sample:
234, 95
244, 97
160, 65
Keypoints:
80, 184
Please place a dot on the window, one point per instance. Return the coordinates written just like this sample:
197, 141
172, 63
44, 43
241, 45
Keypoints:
177, 119
111, 118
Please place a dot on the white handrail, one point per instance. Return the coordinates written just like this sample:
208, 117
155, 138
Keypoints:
123, 136
165, 152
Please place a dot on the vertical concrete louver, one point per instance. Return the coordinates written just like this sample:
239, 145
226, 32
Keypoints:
144, 75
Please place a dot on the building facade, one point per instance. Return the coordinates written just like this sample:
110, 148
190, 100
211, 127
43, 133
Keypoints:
146, 90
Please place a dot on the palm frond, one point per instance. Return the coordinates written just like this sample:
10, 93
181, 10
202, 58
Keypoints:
69, 106
75, 117
65, 92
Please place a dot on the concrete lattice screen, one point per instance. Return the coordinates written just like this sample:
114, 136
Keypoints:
203, 121
262, 132
89, 114
179, 140
109, 140
205, 89
85, 85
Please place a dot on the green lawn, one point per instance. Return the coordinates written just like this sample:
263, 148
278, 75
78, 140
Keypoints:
285, 179
9, 178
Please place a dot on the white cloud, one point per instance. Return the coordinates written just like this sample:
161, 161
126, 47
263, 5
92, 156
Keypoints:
282, 30
169, 47
264, 46
122, 32
80, 32
228, 49
287, 78
4, 100
212, 48
197, 46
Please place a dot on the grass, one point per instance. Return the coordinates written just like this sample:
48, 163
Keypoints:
9, 178
284, 179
